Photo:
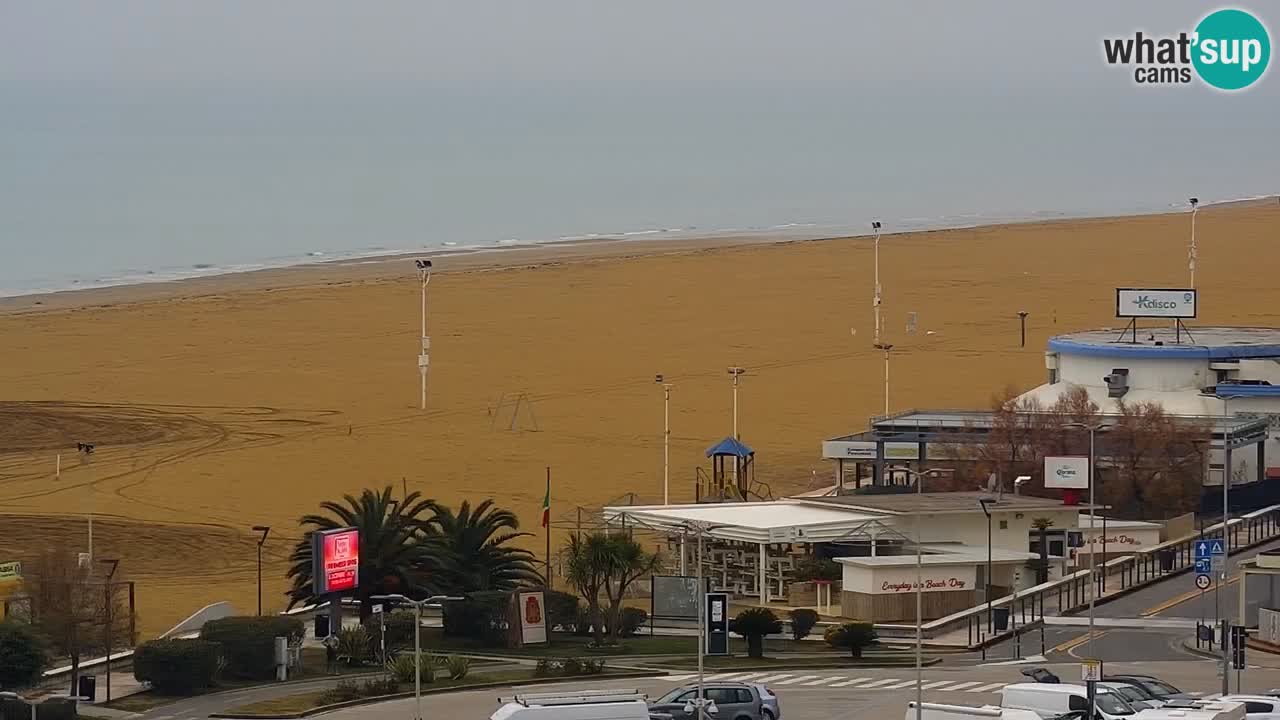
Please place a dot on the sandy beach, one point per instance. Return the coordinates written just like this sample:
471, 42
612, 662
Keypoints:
221, 403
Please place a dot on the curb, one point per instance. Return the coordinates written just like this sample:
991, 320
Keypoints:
432, 691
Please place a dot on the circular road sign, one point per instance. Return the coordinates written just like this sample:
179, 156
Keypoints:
1203, 582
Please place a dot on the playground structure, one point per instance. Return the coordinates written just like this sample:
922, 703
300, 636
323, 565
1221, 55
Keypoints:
732, 477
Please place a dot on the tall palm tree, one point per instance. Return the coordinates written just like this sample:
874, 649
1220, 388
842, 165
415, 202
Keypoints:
478, 551
395, 545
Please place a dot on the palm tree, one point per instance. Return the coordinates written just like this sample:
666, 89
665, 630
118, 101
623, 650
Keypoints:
610, 564
395, 546
477, 544
1042, 525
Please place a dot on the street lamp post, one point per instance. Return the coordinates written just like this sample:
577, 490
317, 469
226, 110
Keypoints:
1193, 252
417, 639
919, 476
987, 581
700, 704
264, 529
736, 372
108, 598
424, 276
85, 449
666, 437
879, 344
1093, 538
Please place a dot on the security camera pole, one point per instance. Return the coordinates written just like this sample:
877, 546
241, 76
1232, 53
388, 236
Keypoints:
424, 275
875, 303
1191, 254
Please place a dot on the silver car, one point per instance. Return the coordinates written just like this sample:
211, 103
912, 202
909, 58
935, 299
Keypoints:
734, 701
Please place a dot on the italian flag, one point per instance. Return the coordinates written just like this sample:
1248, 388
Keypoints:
546, 506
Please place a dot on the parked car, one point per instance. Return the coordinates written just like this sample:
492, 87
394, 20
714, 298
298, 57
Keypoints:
1154, 686
1051, 700
1140, 699
734, 701
1257, 707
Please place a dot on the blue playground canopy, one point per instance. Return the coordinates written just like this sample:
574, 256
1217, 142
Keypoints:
730, 446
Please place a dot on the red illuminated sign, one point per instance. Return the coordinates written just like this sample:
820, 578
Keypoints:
337, 560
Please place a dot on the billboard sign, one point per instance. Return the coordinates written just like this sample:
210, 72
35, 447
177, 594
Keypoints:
1155, 303
336, 558
533, 618
866, 450
1066, 471
10, 571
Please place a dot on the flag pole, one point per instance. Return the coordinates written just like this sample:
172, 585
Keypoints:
546, 523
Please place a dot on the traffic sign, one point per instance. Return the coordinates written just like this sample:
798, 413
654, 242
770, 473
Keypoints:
1203, 582
1091, 670
1219, 566
1203, 566
377, 608
1209, 547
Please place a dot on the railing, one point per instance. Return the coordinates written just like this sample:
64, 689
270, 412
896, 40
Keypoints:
1071, 593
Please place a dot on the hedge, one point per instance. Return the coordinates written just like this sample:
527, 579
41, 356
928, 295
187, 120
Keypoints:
176, 667
562, 610
248, 643
22, 655
481, 616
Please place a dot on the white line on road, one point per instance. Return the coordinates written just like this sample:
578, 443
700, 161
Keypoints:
774, 678
986, 688
677, 678
854, 681
963, 685
903, 684
795, 680
878, 683
936, 684
823, 681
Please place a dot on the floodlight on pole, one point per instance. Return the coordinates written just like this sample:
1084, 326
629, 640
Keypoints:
1192, 252
86, 449
432, 601
735, 372
424, 276
265, 530
1093, 538
879, 343
666, 437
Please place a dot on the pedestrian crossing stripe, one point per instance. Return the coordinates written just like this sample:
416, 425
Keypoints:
897, 686
986, 688
842, 681
935, 683
854, 681
878, 683
774, 678
822, 681
797, 679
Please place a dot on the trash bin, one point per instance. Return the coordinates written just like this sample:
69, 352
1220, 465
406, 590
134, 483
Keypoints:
1166, 560
1000, 618
322, 626
87, 687
56, 708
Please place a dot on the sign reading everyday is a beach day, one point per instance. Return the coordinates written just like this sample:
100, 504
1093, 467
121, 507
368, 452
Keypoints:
1066, 471
1155, 303
10, 571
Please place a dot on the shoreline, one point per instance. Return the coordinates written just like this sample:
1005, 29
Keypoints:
378, 268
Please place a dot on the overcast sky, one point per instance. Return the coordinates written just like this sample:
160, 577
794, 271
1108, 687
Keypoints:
542, 45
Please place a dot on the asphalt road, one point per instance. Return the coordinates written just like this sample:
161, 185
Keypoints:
819, 694
1175, 597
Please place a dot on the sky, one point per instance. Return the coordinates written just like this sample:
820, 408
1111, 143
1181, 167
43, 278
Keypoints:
141, 134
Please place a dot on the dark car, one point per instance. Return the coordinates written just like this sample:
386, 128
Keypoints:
1153, 686
734, 701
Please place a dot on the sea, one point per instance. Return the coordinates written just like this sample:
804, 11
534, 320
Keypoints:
103, 188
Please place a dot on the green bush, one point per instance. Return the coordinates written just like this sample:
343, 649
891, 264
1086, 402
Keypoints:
753, 624
457, 666
248, 643
348, 690
854, 636
482, 616
810, 568
631, 620
401, 668
23, 655
562, 610
568, 667
355, 645
546, 667
399, 632
176, 667
802, 622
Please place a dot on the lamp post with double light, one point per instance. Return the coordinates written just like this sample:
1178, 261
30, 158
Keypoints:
417, 605
424, 277
700, 706
1093, 429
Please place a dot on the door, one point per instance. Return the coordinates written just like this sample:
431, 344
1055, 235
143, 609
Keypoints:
732, 702
675, 708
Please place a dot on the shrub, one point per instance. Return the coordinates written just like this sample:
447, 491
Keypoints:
379, 686
593, 666
176, 667
22, 655
344, 691
802, 622
399, 630
630, 620
571, 666
248, 643
546, 667
854, 636
562, 610
457, 666
401, 668
355, 645
482, 617
810, 568
753, 624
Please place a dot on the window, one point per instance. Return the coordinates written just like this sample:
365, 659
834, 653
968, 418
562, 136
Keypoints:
1004, 524
1056, 547
744, 696
1075, 702
722, 696
1251, 707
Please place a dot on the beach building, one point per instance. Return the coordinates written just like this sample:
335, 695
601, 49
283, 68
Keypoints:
1222, 378
968, 540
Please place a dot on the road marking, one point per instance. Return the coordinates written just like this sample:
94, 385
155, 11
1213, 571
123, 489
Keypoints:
963, 685
986, 688
677, 678
878, 683
905, 683
1096, 635
847, 683
823, 681
774, 678
1077, 641
936, 684
723, 676
795, 680
1178, 600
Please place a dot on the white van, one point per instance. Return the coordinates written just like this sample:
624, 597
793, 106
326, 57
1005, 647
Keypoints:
1050, 700
1202, 710
581, 705
940, 711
